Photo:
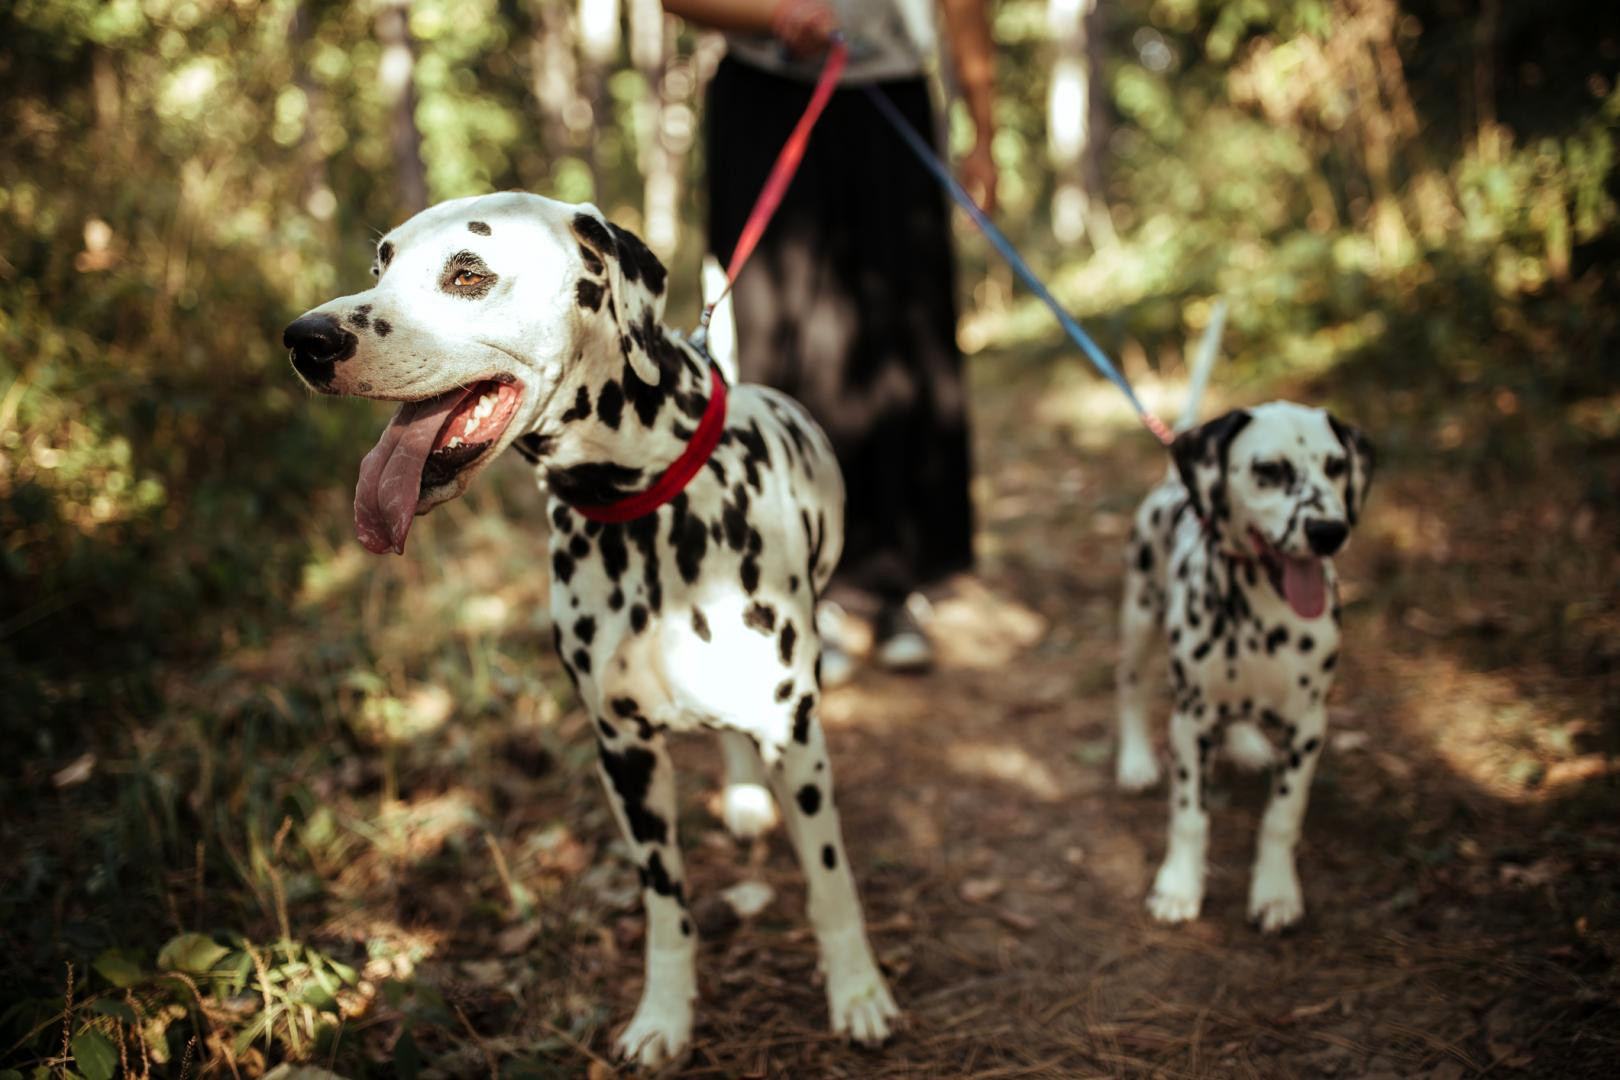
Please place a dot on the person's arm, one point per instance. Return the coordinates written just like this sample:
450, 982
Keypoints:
967, 24
804, 25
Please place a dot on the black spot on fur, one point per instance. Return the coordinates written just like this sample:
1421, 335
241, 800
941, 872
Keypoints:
809, 798
630, 773
608, 730
585, 629
579, 547
593, 483
801, 718
562, 566
385, 254
786, 641
580, 409
750, 574
700, 625
588, 294
638, 618
829, 857
478, 227
610, 404
1275, 639
636, 262
1144, 559
582, 661
761, 617
784, 690
625, 707
658, 880
1306, 643
686, 927
383, 327
358, 319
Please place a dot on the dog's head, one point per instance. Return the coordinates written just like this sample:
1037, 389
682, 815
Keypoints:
482, 307
1282, 482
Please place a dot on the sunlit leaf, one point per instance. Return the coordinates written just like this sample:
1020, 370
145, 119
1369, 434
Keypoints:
192, 953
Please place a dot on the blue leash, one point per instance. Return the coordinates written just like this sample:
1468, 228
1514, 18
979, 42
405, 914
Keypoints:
1075, 331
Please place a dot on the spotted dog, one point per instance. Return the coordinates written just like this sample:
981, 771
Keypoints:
514, 320
1231, 555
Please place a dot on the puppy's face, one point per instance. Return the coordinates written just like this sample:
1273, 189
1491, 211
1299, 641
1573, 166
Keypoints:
481, 308
1281, 482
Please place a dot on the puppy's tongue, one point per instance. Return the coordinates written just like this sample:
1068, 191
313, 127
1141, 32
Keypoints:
1304, 586
391, 475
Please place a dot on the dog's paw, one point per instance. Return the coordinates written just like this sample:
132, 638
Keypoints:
862, 1008
1137, 768
1177, 895
1275, 900
658, 1034
748, 810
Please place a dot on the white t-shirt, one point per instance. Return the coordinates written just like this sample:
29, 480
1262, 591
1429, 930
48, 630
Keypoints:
888, 39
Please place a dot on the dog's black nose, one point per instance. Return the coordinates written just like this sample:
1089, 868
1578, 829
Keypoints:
1326, 537
317, 343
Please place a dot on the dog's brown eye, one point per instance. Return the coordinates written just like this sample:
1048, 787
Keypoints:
1334, 468
466, 279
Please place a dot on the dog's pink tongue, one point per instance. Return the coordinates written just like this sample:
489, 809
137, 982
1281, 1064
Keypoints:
1304, 586
391, 475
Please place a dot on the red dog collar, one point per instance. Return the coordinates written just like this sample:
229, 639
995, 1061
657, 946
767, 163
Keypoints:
681, 470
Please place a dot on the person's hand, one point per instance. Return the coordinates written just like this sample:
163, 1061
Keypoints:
977, 172
804, 26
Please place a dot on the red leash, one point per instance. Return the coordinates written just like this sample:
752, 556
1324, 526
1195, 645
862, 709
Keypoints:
787, 163
674, 479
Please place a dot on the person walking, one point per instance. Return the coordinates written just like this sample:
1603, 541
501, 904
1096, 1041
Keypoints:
849, 304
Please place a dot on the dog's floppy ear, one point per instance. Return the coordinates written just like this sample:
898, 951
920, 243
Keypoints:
1200, 456
625, 282
1358, 453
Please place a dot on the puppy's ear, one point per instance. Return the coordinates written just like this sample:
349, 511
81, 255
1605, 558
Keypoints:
1358, 452
1200, 456
625, 283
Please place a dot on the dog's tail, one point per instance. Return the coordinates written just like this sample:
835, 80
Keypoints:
1203, 361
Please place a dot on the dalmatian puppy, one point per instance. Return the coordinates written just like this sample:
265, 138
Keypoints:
514, 320
1231, 555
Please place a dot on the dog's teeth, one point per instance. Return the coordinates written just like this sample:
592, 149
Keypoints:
455, 441
486, 405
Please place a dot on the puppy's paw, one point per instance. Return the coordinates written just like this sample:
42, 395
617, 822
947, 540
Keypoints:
659, 1032
1275, 900
862, 1008
1137, 768
1178, 893
748, 810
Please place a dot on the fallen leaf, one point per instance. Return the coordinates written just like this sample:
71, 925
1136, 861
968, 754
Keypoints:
978, 890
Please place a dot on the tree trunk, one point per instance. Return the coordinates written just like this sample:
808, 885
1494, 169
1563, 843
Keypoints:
396, 73
1074, 124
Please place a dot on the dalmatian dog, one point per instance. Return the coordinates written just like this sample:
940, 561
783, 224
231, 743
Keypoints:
514, 320
1232, 556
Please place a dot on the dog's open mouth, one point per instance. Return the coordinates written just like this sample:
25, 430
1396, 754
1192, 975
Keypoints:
426, 446
1300, 582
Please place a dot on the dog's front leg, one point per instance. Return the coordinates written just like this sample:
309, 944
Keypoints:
857, 995
1178, 890
640, 783
1275, 899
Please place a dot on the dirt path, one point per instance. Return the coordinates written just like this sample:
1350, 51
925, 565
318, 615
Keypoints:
1460, 857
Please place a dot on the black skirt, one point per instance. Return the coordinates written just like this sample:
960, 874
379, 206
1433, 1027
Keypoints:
849, 305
